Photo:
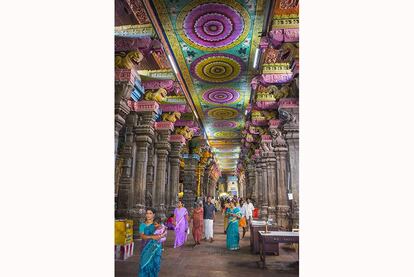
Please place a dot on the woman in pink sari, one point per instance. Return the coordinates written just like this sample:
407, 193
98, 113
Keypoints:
181, 224
197, 223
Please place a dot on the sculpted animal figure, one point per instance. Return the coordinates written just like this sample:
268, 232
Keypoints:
171, 117
185, 131
160, 95
128, 60
283, 92
269, 114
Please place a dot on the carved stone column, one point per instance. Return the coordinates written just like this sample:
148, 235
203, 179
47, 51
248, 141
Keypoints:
125, 200
251, 179
177, 142
162, 148
124, 85
151, 167
190, 180
289, 112
259, 184
281, 150
271, 175
264, 190
147, 112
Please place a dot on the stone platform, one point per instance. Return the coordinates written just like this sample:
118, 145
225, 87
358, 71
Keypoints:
213, 259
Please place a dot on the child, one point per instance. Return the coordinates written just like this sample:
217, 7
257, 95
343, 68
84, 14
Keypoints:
150, 262
169, 224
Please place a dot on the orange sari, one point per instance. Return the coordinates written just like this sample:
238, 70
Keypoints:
197, 224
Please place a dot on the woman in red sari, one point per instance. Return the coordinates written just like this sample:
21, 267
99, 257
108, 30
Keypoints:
197, 223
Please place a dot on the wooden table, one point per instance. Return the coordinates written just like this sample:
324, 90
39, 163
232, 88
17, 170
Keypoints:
275, 237
255, 227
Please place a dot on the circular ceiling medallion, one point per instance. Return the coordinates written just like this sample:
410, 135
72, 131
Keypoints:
212, 26
226, 134
223, 113
221, 95
217, 68
225, 124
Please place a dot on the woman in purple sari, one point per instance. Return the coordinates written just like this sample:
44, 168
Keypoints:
181, 224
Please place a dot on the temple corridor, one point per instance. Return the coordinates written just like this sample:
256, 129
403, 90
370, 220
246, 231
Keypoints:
213, 259
206, 104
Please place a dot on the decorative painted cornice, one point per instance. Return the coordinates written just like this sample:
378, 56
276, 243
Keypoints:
173, 108
161, 74
288, 103
144, 106
132, 44
125, 75
177, 138
189, 123
175, 100
164, 125
135, 31
267, 79
274, 123
156, 84
267, 105
272, 68
138, 10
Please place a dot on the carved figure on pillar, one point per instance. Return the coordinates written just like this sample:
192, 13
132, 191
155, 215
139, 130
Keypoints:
281, 150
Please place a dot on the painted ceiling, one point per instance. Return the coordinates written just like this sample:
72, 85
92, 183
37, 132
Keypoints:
214, 44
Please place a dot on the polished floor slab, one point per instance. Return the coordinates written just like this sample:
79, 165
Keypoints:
213, 259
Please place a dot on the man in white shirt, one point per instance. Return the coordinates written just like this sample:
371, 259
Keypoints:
249, 211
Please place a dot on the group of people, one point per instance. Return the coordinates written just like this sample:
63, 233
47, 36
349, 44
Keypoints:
153, 233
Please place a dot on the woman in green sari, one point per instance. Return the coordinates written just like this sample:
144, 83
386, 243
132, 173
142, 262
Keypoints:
232, 239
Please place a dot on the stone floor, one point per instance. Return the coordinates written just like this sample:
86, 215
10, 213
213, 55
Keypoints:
213, 259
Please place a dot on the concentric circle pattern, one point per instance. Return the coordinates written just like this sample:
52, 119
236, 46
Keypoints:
212, 26
217, 68
221, 95
224, 124
223, 113
226, 134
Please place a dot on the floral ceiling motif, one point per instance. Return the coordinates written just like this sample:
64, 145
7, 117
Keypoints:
214, 43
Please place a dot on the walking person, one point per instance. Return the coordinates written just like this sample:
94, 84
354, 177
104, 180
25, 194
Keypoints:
150, 261
147, 228
232, 235
181, 224
243, 222
249, 212
209, 217
198, 223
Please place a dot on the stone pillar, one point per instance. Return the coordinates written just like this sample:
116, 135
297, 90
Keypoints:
265, 202
206, 182
151, 167
124, 85
251, 179
147, 112
177, 142
281, 150
190, 180
289, 112
259, 185
268, 152
125, 199
162, 148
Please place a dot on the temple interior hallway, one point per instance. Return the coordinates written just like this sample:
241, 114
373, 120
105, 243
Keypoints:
213, 259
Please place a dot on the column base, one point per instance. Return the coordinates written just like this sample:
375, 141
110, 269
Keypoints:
137, 214
161, 210
282, 216
263, 212
271, 213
